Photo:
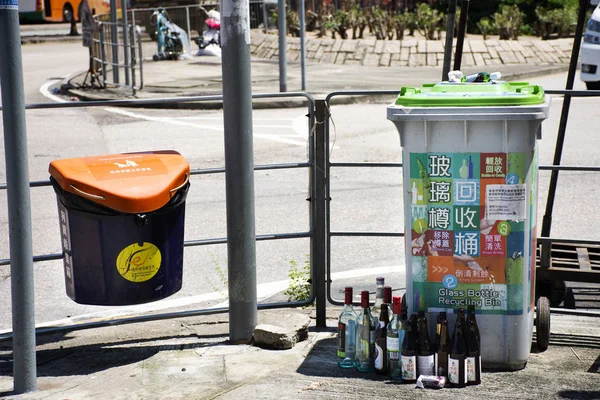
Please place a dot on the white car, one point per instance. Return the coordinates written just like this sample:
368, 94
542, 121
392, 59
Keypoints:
590, 52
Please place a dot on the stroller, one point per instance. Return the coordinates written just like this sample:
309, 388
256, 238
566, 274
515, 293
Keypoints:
170, 45
212, 35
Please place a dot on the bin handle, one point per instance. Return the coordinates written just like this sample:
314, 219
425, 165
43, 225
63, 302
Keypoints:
91, 196
187, 179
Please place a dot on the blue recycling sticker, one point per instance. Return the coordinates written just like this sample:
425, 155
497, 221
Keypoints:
9, 4
512, 179
450, 281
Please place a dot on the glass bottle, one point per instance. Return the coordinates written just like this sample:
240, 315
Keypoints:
347, 323
473, 349
395, 336
409, 351
457, 362
440, 317
425, 354
365, 348
381, 361
376, 310
444, 350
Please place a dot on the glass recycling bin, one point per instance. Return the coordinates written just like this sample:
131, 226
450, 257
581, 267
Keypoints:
470, 198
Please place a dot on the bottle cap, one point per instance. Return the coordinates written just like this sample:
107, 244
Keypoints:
380, 280
348, 295
364, 299
387, 294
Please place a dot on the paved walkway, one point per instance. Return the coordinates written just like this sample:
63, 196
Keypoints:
414, 52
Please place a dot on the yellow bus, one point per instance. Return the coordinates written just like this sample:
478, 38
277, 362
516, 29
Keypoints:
59, 10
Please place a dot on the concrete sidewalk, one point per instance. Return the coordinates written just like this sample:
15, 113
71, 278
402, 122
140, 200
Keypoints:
202, 76
189, 358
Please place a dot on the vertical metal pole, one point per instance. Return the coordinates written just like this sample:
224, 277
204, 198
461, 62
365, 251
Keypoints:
462, 29
19, 206
564, 116
319, 240
449, 39
133, 57
114, 39
140, 57
282, 46
103, 54
126, 55
239, 169
303, 44
265, 17
187, 20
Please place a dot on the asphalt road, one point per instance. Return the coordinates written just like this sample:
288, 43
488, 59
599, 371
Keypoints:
363, 199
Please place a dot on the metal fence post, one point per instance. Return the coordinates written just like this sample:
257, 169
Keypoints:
303, 44
282, 45
114, 39
449, 39
189, 30
319, 203
239, 170
126, 59
462, 30
19, 205
103, 55
140, 57
133, 59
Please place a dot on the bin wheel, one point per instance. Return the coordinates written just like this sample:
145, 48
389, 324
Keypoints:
542, 324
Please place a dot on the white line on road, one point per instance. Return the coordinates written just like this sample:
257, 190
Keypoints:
44, 90
264, 291
169, 120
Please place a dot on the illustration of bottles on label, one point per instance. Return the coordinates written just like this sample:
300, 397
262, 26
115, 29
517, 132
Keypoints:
416, 197
464, 170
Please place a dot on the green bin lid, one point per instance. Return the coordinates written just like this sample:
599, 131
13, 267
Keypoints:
467, 94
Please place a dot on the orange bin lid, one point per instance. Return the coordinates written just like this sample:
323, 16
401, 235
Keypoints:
131, 183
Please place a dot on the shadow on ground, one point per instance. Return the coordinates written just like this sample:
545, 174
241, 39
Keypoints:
90, 358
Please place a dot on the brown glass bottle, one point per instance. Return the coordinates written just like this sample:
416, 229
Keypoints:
443, 351
473, 350
381, 360
457, 362
425, 354
409, 351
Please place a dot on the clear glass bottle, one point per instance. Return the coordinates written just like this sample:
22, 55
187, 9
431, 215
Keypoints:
365, 345
381, 361
425, 354
457, 362
409, 351
395, 336
376, 310
347, 323
473, 349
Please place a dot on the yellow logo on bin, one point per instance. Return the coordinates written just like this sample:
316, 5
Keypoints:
139, 263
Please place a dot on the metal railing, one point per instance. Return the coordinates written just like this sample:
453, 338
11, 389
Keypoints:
316, 249
106, 54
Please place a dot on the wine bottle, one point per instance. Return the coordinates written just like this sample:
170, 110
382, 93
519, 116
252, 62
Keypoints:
376, 310
347, 323
457, 362
440, 317
395, 336
409, 351
381, 361
425, 357
444, 349
473, 349
365, 349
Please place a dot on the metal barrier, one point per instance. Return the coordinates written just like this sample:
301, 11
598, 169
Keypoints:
316, 249
106, 54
